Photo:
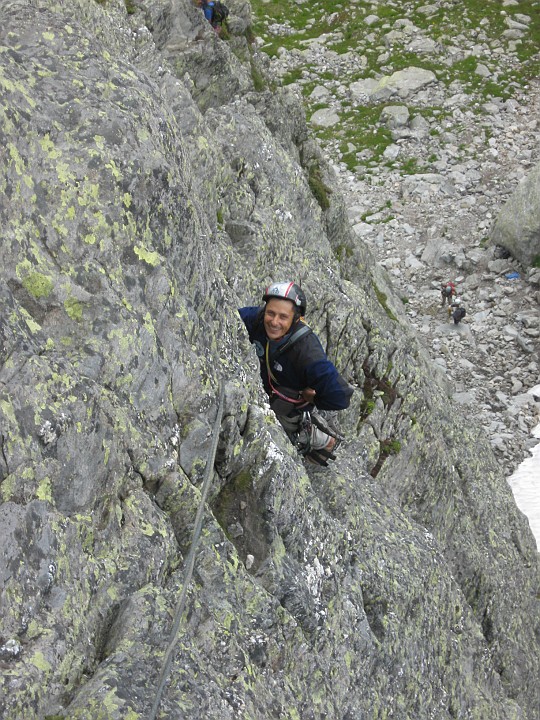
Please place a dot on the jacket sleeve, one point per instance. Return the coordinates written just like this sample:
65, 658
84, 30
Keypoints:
249, 318
332, 392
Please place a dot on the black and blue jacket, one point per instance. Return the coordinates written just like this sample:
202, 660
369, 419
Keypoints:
304, 364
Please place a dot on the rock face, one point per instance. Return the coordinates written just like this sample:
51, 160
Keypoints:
518, 226
150, 187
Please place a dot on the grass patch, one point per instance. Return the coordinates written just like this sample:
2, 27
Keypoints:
412, 167
259, 83
318, 187
293, 76
367, 406
343, 252
386, 448
383, 300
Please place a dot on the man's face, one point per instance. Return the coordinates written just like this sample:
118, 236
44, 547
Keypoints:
278, 318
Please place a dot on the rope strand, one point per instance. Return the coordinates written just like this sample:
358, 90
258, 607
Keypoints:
190, 560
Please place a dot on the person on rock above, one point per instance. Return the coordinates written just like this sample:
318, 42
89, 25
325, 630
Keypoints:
215, 12
207, 8
448, 292
296, 373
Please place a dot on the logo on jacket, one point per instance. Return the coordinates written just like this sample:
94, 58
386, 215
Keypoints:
277, 366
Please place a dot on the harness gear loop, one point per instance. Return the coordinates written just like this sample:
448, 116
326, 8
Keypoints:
301, 439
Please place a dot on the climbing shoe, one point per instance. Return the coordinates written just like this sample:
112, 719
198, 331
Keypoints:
322, 456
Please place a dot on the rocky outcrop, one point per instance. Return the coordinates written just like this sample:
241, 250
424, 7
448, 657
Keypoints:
518, 226
140, 208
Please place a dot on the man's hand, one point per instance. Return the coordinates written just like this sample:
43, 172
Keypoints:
308, 394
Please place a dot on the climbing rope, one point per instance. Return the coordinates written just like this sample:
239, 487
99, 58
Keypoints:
190, 560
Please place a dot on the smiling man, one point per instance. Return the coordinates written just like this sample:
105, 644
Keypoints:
296, 373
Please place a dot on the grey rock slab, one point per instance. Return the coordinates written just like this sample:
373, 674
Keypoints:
402, 83
325, 117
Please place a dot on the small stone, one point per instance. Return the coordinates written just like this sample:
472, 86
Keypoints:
235, 530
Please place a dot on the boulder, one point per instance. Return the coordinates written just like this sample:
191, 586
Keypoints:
517, 227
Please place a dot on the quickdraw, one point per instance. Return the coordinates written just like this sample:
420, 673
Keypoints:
302, 440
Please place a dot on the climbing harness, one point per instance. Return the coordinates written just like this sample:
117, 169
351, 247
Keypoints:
301, 438
190, 560
302, 332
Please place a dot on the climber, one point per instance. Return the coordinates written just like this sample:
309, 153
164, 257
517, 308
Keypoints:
220, 14
458, 312
215, 12
207, 8
448, 292
296, 373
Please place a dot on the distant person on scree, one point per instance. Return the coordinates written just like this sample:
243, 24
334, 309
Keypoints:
448, 292
457, 311
296, 373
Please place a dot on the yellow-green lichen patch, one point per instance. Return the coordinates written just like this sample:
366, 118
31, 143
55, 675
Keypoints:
115, 171
73, 308
39, 661
17, 159
65, 173
32, 325
43, 491
150, 257
49, 148
38, 285
8, 487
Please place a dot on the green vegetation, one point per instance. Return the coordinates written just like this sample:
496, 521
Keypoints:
343, 252
410, 167
536, 262
387, 447
250, 35
293, 76
367, 407
391, 447
224, 33
383, 300
360, 126
259, 83
320, 190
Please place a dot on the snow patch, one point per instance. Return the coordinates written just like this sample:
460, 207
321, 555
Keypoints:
525, 483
